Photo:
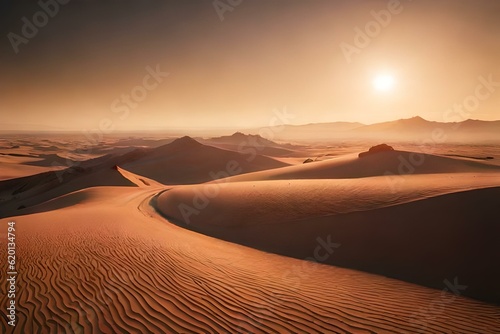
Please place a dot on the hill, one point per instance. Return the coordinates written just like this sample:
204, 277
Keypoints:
391, 163
182, 161
186, 161
254, 144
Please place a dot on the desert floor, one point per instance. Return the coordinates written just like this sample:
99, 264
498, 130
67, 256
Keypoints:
121, 243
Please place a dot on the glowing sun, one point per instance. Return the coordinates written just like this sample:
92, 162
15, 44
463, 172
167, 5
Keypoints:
384, 82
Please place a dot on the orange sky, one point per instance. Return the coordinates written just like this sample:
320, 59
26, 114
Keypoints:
232, 73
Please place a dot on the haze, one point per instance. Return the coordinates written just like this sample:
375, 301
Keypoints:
232, 73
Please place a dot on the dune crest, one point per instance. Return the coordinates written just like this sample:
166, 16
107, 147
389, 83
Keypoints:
112, 265
138, 180
388, 162
274, 212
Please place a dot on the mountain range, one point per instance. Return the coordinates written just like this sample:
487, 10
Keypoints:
415, 128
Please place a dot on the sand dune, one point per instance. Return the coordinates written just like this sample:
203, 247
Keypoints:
383, 163
187, 161
47, 160
105, 262
19, 193
292, 202
12, 167
138, 180
96, 256
9, 171
183, 160
278, 201
434, 229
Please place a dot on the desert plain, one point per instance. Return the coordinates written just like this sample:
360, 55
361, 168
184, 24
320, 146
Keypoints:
156, 233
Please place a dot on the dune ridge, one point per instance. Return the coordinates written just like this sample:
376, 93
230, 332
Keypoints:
187, 161
280, 201
183, 160
128, 270
435, 237
103, 259
382, 163
449, 205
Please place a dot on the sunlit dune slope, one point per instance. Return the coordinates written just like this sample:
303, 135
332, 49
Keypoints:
276, 201
138, 180
104, 262
187, 161
182, 161
382, 163
20, 193
431, 227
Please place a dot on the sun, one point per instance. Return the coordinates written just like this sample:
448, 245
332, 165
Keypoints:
384, 82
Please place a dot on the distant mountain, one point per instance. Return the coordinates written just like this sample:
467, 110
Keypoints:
473, 125
307, 132
417, 128
241, 142
414, 124
239, 137
410, 129
337, 126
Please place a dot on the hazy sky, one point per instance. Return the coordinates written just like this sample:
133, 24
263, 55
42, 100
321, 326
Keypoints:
81, 65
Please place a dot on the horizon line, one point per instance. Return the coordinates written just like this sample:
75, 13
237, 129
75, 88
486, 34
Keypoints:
232, 128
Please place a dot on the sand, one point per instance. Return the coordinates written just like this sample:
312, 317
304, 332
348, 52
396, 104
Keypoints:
394, 163
185, 160
107, 249
106, 262
426, 221
12, 167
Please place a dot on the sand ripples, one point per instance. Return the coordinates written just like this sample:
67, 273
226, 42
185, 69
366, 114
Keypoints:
125, 272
